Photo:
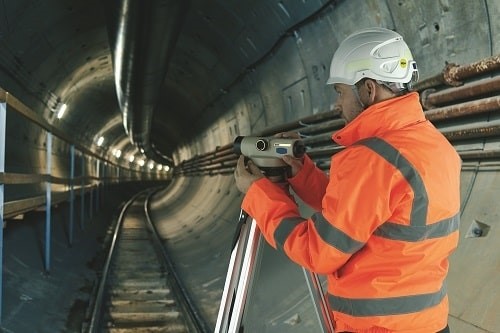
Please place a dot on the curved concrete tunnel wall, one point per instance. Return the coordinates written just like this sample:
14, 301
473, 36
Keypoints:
197, 215
289, 85
29, 157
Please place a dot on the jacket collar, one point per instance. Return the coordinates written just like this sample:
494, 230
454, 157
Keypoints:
381, 117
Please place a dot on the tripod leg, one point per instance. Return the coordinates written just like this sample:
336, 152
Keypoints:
246, 277
319, 301
240, 276
233, 274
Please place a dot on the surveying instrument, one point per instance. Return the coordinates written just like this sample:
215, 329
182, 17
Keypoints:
267, 154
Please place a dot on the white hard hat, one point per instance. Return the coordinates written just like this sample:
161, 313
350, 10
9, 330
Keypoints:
376, 53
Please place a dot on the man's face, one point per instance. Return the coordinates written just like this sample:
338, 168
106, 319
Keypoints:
347, 102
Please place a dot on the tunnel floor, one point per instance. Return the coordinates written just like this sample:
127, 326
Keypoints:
35, 301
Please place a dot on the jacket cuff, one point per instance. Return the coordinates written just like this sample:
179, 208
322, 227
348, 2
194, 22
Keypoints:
254, 191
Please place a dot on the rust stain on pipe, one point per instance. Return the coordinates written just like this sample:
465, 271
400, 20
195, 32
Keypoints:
464, 109
473, 133
468, 91
459, 73
454, 74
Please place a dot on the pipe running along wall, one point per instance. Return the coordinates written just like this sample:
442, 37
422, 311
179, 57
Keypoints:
473, 98
143, 35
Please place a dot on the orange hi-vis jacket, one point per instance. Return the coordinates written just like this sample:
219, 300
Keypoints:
387, 220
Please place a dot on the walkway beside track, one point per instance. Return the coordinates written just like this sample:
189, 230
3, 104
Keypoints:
56, 302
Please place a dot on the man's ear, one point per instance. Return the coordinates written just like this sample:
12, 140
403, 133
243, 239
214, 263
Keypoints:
371, 90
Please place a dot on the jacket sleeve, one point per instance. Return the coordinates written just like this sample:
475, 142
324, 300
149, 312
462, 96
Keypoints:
310, 184
354, 205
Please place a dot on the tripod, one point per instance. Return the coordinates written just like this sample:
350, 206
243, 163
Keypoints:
240, 275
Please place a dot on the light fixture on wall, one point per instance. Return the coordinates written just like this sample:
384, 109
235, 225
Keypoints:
61, 110
117, 153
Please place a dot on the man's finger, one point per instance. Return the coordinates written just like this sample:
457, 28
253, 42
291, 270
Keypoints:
295, 163
253, 168
288, 135
241, 162
240, 165
291, 161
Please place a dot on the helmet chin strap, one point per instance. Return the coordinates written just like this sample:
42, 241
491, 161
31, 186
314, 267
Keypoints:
356, 93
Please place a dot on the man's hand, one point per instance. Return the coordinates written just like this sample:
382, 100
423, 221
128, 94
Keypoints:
246, 175
295, 163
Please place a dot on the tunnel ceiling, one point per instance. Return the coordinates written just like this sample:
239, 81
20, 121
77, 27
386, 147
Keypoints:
220, 42
58, 51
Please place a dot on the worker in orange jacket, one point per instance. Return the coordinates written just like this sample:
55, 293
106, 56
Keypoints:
388, 214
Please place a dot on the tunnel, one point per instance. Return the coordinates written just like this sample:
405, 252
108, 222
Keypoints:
100, 100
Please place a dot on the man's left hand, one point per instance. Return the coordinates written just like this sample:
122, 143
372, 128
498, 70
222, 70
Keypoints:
246, 175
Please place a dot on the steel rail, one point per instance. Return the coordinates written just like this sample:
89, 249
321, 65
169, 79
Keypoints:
196, 320
96, 312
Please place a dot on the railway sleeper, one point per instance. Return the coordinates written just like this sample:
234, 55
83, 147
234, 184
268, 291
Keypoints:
140, 294
139, 283
143, 319
170, 328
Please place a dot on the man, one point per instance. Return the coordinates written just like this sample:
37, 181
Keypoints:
387, 216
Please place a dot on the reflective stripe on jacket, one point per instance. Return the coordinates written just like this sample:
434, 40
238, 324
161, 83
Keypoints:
386, 224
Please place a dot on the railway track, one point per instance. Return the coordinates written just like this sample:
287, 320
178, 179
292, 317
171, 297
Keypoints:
139, 290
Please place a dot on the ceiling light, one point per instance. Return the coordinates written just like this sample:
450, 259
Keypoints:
62, 110
100, 141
